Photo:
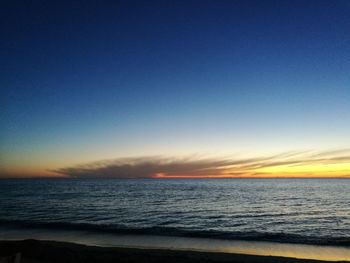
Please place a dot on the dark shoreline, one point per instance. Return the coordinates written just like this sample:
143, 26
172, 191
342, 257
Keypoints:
35, 251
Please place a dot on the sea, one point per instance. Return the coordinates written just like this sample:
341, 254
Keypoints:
180, 213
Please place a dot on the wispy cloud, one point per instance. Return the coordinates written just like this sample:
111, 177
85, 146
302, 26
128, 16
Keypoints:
148, 167
194, 166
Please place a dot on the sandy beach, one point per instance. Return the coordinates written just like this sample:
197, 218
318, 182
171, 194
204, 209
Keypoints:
34, 251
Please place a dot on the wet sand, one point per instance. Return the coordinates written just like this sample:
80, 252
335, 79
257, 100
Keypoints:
34, 251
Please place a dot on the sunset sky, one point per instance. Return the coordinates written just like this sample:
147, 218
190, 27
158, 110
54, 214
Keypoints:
134, 89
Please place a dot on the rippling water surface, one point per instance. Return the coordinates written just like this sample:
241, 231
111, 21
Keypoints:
315, 211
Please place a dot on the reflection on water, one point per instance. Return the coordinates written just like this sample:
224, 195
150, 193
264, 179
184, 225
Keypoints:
182, 243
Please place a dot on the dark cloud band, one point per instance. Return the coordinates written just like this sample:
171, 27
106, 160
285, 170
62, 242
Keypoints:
150, 167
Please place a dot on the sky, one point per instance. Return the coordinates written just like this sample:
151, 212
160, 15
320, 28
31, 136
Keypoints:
175, 88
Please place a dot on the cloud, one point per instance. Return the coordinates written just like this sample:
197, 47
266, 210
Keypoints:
194, 166
146, 167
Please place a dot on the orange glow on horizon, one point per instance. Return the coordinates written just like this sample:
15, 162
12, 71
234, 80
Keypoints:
30, 173
335, 170
286, 165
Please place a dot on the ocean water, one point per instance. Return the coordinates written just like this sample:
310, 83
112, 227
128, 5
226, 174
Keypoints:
302, 211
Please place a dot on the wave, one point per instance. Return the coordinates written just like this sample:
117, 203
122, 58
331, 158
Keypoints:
181, 232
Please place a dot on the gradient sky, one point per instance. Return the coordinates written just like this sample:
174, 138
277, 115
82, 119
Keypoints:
194, 81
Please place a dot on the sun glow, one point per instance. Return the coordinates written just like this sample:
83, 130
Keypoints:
308, 170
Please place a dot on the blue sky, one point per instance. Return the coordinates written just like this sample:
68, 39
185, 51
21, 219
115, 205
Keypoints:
92, 80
